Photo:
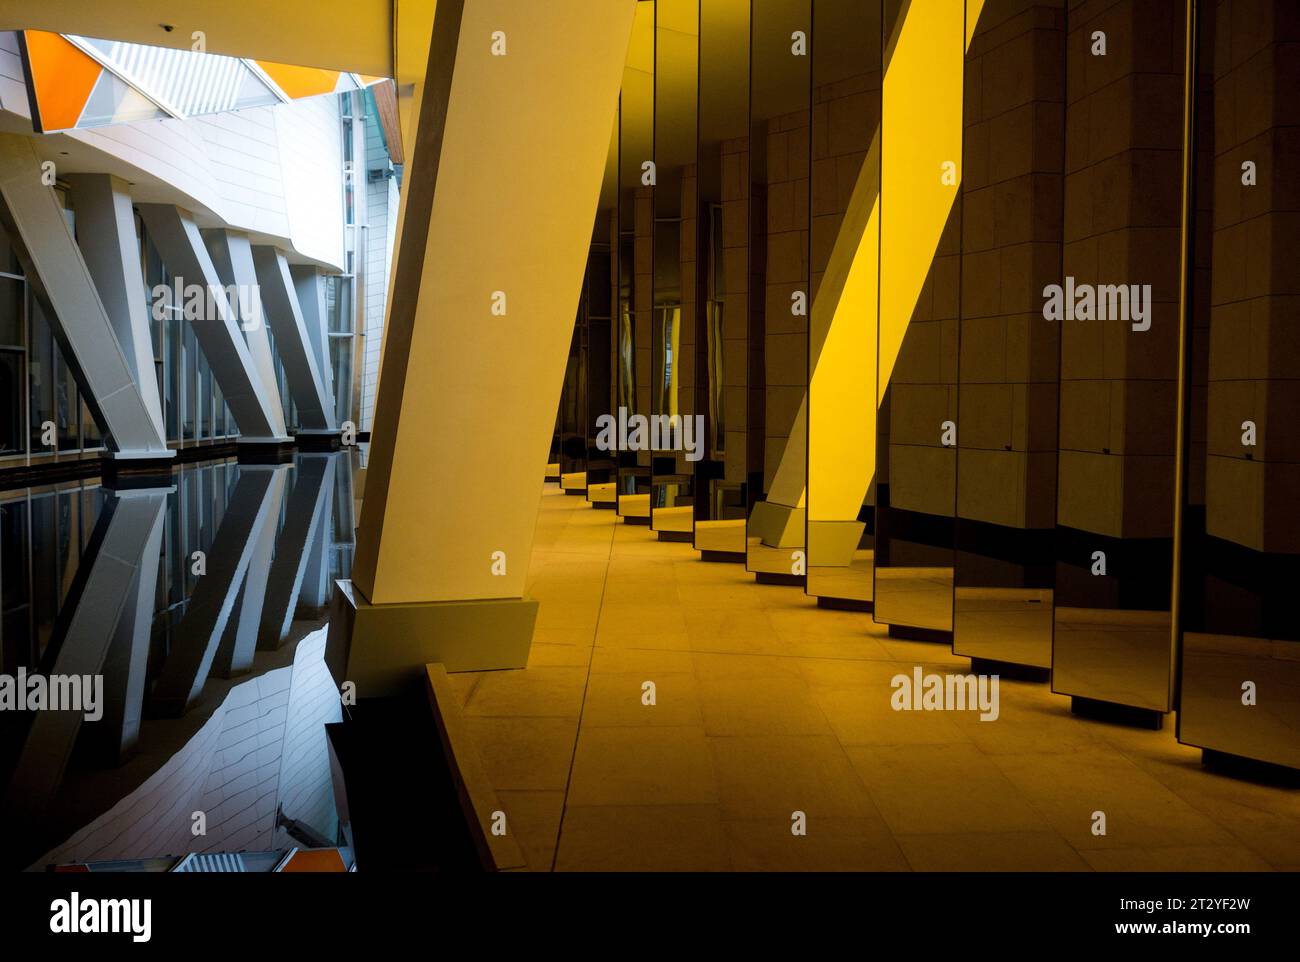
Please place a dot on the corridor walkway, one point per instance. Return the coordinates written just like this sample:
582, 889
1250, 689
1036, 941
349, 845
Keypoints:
767, 705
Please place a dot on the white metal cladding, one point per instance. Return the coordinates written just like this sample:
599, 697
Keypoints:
184, 82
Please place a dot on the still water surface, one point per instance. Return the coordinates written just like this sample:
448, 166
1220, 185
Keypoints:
198, 604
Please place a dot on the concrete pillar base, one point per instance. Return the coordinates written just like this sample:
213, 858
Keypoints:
383, 649
265, 450
318, 440
131, 471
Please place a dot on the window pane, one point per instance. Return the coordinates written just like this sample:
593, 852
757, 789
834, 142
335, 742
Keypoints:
12, 293
12, 440
40, 380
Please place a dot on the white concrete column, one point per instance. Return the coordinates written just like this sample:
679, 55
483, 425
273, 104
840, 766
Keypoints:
179, 242
108, 241
293, 340
232, 255
64, 286
509, 157
309, 284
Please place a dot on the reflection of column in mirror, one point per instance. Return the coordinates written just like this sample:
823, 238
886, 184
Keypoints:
599, 293
307, 511
1121, 357
553, 456
215, 603
573, 406
636, 176
673, 292
780, 137
916, 361
1239, 679
103, 629
722, 272
1004, 568
843, 263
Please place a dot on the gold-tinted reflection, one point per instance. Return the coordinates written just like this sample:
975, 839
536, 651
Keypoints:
1240, 664
675, 287
1119, 389
722, 271
636, 255
780, 126
919, 292
844, 264
1009, 355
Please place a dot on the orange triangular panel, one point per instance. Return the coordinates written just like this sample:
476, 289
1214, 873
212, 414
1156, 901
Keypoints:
62, 79
301, 81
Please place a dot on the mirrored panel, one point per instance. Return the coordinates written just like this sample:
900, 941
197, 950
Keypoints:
553, 455
598, 296
780, 120
1007, 374
1240, 659
635, 269
1119, 309
573, 410
722, 339
916, 362
676, 432
844, 262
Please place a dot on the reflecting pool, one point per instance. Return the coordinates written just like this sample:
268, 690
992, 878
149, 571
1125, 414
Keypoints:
197, 605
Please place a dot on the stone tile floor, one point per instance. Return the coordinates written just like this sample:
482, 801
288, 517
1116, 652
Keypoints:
767, 705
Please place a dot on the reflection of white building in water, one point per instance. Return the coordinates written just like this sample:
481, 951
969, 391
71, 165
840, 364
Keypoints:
261, 753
